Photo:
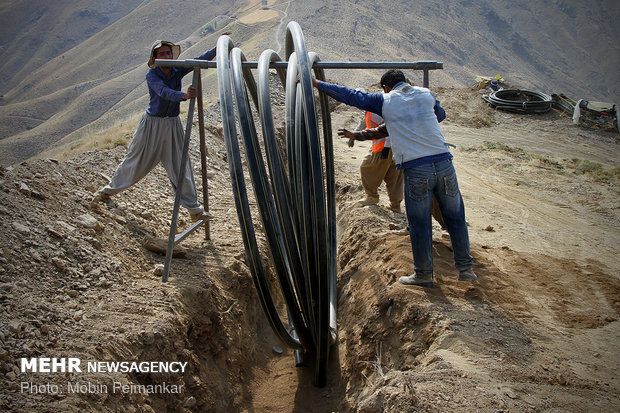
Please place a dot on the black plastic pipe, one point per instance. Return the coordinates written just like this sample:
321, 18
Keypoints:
296, 201
519, 101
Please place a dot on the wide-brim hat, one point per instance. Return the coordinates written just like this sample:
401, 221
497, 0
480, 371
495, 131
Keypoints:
176, 51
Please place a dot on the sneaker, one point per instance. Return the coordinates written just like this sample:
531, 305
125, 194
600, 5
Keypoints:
468, 275
100, 196
413, 279
204, 216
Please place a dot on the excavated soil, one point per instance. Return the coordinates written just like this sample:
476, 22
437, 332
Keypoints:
538, 332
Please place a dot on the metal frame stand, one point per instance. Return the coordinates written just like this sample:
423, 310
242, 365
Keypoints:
196, 65
172, 239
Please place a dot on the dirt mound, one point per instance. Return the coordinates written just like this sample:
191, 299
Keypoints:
77, 283
538, 332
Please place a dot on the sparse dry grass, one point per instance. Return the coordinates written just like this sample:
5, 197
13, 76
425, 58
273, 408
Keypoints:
594, 170
119, 134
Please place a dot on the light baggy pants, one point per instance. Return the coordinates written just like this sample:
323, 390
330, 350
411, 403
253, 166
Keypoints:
375, 170
156, 140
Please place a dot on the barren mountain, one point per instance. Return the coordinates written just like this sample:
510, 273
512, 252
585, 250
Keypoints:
74, 69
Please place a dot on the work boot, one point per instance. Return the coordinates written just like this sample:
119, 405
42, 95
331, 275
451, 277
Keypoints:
395, 207
468, 275
415, 279
100, 196
369, 200
204, 215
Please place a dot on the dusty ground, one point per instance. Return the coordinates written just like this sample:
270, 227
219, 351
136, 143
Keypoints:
538, 332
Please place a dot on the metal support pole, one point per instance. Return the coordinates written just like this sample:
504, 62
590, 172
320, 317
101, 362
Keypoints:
203, 157
208, 64
180, 179
426, 67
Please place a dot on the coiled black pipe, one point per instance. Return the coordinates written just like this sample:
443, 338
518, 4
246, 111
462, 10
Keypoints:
297, 207
519, 101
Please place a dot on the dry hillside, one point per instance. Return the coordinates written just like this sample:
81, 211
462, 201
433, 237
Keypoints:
537, 333
73, 69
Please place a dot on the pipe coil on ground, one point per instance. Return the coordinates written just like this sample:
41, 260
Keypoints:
519, 101
296, 201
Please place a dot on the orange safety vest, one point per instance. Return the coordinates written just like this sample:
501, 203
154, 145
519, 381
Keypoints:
377, 144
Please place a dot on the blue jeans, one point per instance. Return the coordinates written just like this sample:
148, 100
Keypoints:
421, 183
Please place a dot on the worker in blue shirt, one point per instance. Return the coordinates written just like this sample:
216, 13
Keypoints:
159, 136
412, 115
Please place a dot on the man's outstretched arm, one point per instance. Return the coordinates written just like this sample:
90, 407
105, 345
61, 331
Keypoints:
366, 134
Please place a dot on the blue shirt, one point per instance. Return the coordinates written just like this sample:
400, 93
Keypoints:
165, 92
366, 101
374, 102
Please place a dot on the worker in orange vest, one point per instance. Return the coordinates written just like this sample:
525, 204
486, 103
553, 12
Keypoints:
378, 167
